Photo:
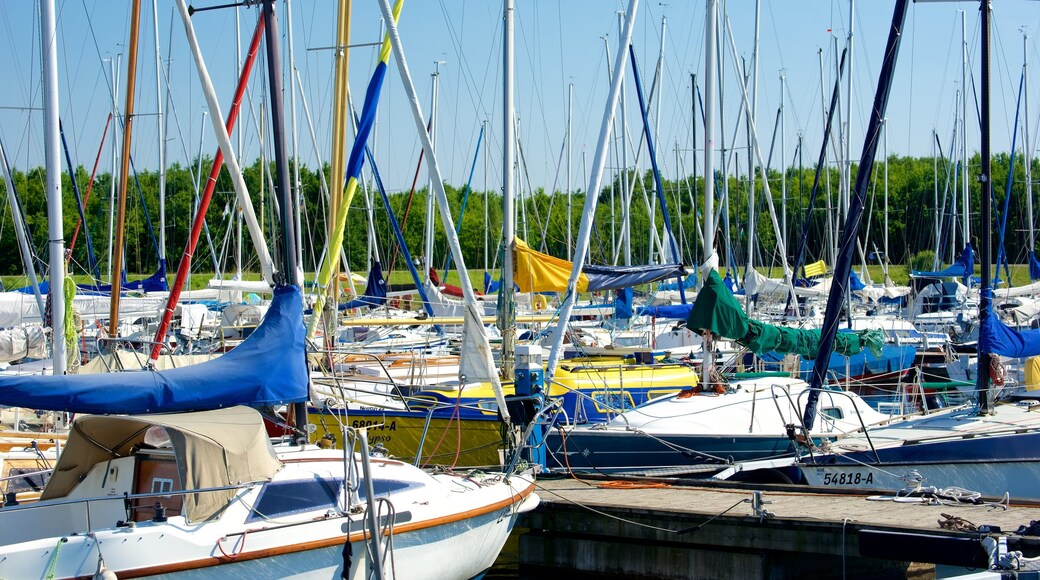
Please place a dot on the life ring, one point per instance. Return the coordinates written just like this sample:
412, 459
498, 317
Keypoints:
996, 371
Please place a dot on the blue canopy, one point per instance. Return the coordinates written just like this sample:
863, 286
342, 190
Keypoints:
855, 284
995, 337
668, 311
612, 277
1034, 267
154, 283
623, 303
269, 367
375, 290
689, 283
962, 268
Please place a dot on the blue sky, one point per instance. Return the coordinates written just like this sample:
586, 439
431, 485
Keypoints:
557, 43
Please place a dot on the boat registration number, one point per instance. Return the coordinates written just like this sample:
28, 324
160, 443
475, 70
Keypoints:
848, 478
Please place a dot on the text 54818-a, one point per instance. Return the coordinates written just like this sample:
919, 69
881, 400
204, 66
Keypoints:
856, 478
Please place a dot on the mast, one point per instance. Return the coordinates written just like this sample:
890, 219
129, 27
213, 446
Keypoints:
337, 161
506, 303
710, 32
848, 111
843, 267
124, 172
112, 68
184, 266
570, 212
52, 149
1028, 144
965, 203
290, 273
430, 223
783, 159
297, 195
592, 192
884, 124
985, 180
160, 130
935, 197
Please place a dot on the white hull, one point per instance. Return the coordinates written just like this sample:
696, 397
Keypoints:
1021, 480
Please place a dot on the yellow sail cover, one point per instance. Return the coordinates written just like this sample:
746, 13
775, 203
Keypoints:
538, 272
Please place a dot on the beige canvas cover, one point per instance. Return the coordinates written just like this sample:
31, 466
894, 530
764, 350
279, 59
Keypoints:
215, 448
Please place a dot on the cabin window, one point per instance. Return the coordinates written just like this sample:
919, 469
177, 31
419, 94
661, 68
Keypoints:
162, 485
280, 498
833, 413
612, 401
384, 487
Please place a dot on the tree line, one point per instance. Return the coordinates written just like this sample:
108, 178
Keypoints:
542, 220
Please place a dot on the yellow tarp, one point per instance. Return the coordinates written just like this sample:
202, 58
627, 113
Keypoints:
815, 269
1033, 373
537, 272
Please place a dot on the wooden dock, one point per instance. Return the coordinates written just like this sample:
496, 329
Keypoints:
606, 529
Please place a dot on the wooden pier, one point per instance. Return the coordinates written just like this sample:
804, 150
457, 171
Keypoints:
604, 529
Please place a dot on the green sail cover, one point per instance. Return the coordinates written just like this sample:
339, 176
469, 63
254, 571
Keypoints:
717, 310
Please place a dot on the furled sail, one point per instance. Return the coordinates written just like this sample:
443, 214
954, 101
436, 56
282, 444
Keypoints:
718, 311
269, 367
538, 272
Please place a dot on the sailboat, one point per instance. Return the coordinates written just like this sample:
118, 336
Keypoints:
186, 483
989, 448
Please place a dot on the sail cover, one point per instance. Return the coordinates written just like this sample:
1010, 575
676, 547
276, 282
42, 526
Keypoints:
995, 337
267, 368
962, 268
538, 272
718, 311
375, 290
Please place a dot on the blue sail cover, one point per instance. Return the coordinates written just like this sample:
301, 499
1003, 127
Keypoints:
375, 290
613, 277
995, 337
855, 284
623, 303
962, 268
1034, 266
154, 283
688, 284
269, 367
668, 311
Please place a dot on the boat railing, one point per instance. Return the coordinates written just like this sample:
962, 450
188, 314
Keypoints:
139, 348
125, 498
457, 405
855, 407
552, 406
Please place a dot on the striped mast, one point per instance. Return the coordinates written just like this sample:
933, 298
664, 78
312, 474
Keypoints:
184, 267
330, 262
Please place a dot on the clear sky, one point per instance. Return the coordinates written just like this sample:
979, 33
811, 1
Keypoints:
557, 43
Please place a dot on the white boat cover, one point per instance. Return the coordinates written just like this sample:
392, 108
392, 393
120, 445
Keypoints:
255, 286
22, 342
17, 308
874, 293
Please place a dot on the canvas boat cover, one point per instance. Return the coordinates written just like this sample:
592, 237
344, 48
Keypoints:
538, 272
375, 290
22, 342
217, 448
269, 367
962, 268
718, 311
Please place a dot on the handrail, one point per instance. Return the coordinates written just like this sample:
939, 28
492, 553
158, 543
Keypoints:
859, 416
126, 497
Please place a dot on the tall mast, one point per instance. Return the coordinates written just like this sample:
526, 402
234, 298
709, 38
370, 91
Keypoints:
884, 268
52, 149
297, 195
626, 192
161, 137
112, 68
965, 203
1028, 144
710, 32
935, 197
985, 180
506, 305
783, 161
570, 213
848, 110
124, 172
431, 226
337, 162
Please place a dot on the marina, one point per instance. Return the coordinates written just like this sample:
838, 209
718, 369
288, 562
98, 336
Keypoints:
596, 298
